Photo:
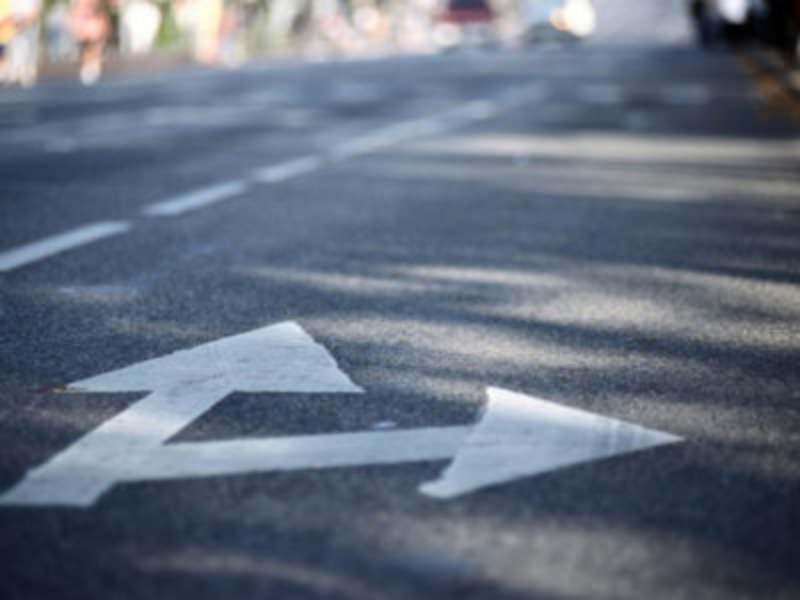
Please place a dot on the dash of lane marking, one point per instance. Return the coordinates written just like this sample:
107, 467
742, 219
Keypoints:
477, 110
288, 169
199, 198
36, 251
383, 138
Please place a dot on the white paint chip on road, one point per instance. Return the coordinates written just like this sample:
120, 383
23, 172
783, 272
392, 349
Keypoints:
197, 199
287, 170
47, 247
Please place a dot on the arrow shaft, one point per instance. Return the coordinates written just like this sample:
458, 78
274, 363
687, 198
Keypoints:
116, 450
155, 418
326, 451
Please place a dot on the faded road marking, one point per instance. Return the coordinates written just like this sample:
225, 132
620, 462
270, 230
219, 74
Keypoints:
199, 198
287, 170
35, 251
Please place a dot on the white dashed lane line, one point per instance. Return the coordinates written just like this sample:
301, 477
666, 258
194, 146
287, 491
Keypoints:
212, 194
199, 198
288, 169
477, 110
50, 246
471, 112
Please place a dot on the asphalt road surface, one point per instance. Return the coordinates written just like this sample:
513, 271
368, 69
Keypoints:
610, 227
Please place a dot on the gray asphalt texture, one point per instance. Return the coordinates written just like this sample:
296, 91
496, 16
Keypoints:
639, 259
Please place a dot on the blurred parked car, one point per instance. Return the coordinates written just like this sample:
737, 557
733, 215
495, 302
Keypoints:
548, 20
777, 23
465, 23
773, 22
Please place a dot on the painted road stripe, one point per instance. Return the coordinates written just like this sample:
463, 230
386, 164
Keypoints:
402, 132
197, 199
477, 110
383, 138
287, 170
35, 251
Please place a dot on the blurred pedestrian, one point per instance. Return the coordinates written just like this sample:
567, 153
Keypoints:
734, 20
23, 48
6, 33
60, 45
207, 26
139, 22
231, 49
90, 25
704, 18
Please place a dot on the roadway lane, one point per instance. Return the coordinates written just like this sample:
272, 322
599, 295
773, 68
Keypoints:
610, 227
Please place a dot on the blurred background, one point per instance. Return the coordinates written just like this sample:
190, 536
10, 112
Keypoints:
81, 38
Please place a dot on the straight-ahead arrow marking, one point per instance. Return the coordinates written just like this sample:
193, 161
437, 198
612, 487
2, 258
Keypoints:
517, 436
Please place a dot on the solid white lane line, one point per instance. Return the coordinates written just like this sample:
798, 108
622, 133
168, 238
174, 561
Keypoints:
287, 170
35, 251
199, 198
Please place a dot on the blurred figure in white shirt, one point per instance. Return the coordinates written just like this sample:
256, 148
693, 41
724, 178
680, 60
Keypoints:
138, 23
734, 21
23, 48
722, 20
60, 44
570, 18
90, 25
733, 11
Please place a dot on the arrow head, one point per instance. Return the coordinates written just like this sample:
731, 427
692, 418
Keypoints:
277, 358
521, 436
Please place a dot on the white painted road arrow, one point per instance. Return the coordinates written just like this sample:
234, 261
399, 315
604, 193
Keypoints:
518, 436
